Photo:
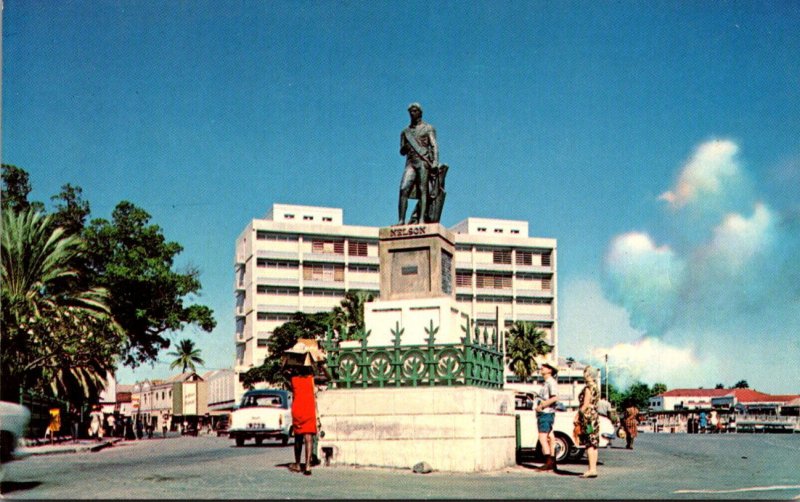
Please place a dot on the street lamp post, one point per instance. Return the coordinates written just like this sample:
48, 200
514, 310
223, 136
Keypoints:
607, 396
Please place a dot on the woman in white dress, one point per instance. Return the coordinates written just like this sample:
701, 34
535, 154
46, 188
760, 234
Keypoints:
95, 423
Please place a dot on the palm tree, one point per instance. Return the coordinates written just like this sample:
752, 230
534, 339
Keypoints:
56, 332
186, 356
348, 317
570, 364
525, 342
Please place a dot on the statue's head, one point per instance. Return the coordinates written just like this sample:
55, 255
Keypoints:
415, 109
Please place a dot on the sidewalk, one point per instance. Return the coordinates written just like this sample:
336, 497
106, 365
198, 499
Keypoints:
83, 445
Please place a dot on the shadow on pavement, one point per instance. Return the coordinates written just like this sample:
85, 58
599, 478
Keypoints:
561, 471
15, 486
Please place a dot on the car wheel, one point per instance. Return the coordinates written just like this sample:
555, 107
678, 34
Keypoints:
562, 447
239, 441
259, 441
576, 453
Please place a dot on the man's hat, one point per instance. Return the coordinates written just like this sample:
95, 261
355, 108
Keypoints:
552, 368
415, 105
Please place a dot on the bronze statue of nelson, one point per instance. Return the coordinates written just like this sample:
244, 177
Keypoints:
423, 176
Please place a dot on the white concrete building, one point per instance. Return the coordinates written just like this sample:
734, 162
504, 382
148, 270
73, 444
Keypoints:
304, 258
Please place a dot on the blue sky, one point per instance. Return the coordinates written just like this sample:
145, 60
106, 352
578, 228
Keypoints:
659, 142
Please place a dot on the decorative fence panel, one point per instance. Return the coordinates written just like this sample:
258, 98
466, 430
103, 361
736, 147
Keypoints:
472, 362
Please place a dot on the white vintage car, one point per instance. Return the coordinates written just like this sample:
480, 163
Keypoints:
262, 414
565, 446
13, 422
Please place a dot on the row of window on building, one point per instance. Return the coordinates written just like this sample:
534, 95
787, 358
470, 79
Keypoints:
360, 248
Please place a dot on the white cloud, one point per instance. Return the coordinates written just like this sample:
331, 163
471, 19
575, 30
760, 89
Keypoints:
738, 239
719, 302
704, 173
591, 319
651, 360
645, 279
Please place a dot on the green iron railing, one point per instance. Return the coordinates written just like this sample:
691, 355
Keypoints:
476, 361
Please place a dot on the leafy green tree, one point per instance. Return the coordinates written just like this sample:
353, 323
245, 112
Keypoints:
16, 187
57, 336
71, 210
186, 356
719, 386
741, 384
525, 342
638, 394
283, 338
132, 259
615, 396
658, 388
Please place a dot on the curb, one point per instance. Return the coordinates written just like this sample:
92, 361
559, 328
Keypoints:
59, 449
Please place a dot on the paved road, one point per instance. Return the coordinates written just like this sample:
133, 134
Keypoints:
743, 466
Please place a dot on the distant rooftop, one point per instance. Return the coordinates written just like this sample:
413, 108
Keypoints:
307, 214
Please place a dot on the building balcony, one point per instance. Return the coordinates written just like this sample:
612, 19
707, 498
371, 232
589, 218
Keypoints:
323, 257
321, 284
278, 309
494, 292
534, 269
238, 285
315, 309
535, 317
535, 293
369, 286
278, 281
493, 267
277, 255
364, 260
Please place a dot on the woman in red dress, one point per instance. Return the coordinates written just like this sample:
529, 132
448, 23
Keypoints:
304, 414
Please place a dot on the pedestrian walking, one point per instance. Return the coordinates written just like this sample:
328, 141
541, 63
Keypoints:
545, 416
75, 423
299, 364
110, 422
714, 419
703, 421
587, 419
96, 423
164, 426
631, 424
139, 428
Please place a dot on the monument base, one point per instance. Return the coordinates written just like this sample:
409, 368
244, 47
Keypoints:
462, 429
414, 316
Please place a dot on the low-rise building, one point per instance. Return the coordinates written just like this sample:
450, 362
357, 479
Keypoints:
221, 386
686, 399
744, 400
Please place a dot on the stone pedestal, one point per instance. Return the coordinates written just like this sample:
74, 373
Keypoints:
416, 261
461, 429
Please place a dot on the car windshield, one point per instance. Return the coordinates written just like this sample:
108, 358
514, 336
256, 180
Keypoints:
268, 400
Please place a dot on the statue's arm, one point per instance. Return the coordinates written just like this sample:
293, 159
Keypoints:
434, 146
403, 144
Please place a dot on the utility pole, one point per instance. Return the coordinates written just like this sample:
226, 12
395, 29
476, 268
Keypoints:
607, 396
